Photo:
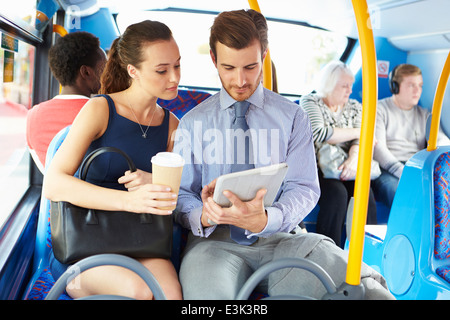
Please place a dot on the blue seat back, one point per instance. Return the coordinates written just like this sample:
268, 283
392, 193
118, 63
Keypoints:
414, 256
43, 239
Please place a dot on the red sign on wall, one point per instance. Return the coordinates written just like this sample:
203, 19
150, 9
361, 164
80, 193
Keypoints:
383, 68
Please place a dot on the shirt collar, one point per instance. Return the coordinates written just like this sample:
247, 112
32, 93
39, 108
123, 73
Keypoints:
256, 99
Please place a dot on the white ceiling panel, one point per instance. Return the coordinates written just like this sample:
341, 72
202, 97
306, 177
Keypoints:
409, 24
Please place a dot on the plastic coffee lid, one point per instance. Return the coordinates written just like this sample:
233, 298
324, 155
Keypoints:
168, 159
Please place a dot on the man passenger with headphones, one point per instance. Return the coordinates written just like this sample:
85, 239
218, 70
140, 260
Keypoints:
400, 129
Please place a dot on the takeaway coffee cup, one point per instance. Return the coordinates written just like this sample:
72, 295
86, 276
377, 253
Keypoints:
167, 168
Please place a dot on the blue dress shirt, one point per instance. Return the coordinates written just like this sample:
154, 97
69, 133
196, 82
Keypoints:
280, 131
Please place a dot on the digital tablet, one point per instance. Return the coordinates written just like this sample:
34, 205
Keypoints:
246, 183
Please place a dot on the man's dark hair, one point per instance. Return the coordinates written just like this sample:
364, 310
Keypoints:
238, 29
70, 53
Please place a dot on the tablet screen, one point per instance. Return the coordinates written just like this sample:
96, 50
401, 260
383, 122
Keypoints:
246, 183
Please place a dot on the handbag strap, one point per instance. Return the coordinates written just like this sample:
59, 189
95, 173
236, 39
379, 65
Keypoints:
84, 167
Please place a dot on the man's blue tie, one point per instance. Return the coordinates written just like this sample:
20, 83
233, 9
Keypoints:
240, 108
242, 138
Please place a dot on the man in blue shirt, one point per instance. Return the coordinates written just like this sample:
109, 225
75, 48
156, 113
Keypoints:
217, 261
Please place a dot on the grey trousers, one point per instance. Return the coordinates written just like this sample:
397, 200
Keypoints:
216, 267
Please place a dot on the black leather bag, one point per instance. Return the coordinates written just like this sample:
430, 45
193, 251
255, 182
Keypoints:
79, 232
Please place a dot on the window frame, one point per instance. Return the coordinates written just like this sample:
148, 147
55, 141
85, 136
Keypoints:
344, 56
18, 232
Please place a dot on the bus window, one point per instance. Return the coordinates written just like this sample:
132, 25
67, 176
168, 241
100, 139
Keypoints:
22, 11
16, 72
298, 52
197, 69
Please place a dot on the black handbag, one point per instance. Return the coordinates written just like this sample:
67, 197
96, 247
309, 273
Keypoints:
80, 232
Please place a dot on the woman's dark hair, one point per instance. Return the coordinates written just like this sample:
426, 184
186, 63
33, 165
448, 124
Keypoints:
128, 49
70, 53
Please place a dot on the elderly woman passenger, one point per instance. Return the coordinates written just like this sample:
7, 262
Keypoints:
336, 120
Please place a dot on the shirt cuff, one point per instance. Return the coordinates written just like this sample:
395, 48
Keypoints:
274, 221
195, 217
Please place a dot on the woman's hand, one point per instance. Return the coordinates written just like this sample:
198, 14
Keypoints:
149, 198
350, 165
134, 180
348, 168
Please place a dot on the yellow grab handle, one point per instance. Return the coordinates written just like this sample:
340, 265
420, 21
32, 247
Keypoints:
267, 66
59, 30
362, 182
437, 105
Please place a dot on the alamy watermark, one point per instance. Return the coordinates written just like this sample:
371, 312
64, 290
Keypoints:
217, 146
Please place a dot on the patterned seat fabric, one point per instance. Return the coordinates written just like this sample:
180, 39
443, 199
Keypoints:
444, 273
185, 101
441, 209
442, 205
43, 285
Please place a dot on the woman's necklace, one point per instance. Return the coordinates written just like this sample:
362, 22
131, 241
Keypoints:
144, 133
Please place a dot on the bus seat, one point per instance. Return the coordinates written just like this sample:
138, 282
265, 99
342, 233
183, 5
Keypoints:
414, 252
442, 211
185, 101
41, 280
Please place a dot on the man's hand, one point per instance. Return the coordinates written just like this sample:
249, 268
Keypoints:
250, 215
207, 192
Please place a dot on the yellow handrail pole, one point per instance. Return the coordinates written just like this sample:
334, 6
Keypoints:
437, 105
362, 182
62, 32
267, 72
254, 5
267, 65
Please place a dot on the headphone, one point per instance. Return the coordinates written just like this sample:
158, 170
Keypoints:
393, 85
